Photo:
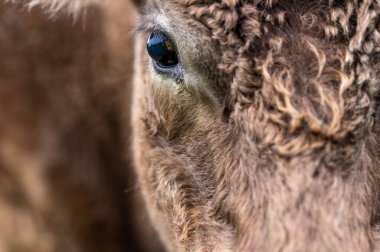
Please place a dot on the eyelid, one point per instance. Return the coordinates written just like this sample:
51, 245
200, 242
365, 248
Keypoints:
146, 28
147, 25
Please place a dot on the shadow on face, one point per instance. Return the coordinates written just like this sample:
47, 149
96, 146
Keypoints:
67, 182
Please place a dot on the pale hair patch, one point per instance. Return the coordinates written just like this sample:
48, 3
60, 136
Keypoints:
72, 7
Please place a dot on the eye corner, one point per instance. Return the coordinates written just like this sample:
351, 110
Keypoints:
173, 72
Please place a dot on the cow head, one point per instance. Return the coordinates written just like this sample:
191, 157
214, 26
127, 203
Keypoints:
256, 123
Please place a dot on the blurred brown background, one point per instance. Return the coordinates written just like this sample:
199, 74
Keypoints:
66, 176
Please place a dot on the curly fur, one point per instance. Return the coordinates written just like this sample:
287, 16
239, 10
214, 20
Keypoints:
270, 141
284, 156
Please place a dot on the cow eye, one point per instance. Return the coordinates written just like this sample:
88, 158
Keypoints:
162, 50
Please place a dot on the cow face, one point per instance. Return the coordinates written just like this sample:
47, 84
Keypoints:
256, 123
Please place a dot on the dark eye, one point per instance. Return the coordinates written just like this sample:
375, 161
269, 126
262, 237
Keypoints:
162, 50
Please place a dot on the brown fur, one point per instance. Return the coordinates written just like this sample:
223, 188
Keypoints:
66, 183
270, 140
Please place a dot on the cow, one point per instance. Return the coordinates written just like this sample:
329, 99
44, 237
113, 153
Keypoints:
256, 122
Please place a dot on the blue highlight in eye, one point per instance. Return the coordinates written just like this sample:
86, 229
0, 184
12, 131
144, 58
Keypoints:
156, 45
161, 50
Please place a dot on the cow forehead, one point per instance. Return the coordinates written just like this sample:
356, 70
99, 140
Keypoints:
237, 24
